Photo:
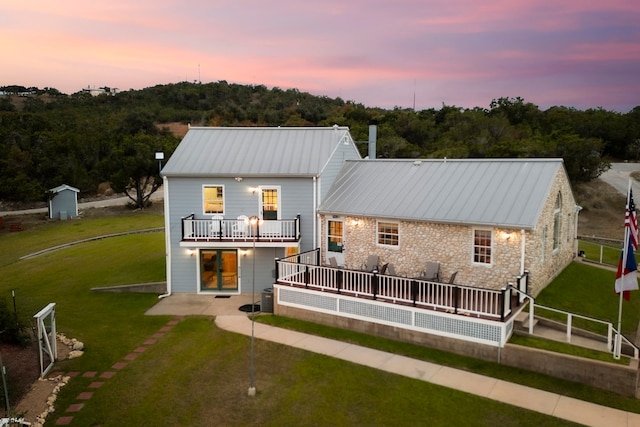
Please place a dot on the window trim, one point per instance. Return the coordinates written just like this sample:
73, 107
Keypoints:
474, 246
378, 234
204, 203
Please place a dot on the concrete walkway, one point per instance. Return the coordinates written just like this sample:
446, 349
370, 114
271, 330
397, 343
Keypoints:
229, 318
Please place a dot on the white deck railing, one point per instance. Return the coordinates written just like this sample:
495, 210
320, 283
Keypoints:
206, 230
467, 300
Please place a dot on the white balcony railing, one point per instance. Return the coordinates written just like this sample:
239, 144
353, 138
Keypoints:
209, 230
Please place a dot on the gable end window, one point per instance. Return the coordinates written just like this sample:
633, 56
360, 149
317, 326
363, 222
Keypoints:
213, 199
482, 244
387, 233
557, 222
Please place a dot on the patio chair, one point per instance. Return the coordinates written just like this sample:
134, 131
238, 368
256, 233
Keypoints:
431, 272
371, 264
452, 278
242, 226
333, 262
383, 270
214, 227
391, 269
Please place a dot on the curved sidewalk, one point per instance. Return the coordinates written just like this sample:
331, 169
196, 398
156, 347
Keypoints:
514, 394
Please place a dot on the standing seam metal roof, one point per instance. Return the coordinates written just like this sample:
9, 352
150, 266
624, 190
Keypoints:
255, 151
496, 192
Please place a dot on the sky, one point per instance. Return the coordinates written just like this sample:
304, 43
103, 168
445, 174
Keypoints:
382, 53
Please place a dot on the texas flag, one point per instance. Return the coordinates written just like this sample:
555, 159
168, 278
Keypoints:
626, 277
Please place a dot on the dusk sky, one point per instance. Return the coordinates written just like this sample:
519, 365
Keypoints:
380, 53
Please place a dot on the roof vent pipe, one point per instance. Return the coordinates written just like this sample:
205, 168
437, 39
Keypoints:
373, 130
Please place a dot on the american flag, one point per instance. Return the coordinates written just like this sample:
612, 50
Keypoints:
626, 276
631, 221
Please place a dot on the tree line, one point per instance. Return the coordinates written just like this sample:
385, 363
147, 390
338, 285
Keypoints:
48, 138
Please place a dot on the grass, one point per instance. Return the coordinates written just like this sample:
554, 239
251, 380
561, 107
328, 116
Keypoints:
589, 291
208, 387
565, 348
600, 253
198, 373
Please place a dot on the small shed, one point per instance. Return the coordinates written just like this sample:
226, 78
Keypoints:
63, 202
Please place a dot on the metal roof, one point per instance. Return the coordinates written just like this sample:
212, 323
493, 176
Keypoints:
496, 192
256, 151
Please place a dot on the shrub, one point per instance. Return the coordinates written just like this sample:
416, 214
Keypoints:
12, 330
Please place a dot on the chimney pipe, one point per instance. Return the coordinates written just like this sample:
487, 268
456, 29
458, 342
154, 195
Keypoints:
373, 130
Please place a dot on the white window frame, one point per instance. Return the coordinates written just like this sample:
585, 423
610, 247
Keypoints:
204, 203
474, 246
378, 234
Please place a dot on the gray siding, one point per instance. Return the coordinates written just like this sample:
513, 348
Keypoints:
331, 170
185, 195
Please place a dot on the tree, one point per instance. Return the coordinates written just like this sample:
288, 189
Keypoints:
133, 169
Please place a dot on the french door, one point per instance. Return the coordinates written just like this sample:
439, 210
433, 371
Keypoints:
218, 270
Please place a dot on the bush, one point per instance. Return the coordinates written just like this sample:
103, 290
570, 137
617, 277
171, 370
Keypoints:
12, 330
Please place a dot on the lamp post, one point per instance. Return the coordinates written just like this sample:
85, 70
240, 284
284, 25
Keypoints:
252, 388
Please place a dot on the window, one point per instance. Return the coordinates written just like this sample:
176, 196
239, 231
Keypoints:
557, 222
213, 199
388, 233
482, 246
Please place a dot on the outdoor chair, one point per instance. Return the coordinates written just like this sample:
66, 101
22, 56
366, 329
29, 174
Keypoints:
333, 262
242, 226
383, 270
431, 272
214, 227
452, 278
371, 264
391, 269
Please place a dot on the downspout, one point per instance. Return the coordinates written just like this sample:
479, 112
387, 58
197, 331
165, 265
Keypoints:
167, 234
522, 246
316, 232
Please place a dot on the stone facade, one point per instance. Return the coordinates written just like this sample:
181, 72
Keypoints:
452, 245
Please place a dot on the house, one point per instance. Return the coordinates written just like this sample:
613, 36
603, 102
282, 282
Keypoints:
63, 202
497, 230
486, 220
238, 198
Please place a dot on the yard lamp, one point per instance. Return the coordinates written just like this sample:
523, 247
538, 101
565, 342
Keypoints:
252, 388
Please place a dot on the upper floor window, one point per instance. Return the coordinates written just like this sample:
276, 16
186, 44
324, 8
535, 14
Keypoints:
482, 246
388, 233
213, 199
557, 222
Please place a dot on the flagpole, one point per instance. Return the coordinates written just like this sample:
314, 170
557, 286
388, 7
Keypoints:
618, 344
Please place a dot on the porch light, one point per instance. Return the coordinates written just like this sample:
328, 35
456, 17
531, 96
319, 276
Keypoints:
190, 252
355, 223
238, 178
505, 235
253, 189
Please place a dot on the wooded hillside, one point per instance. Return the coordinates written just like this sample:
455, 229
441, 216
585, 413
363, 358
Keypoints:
48, 138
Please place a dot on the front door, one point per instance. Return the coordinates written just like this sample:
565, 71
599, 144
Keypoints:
219, 270
335, 240
270, 211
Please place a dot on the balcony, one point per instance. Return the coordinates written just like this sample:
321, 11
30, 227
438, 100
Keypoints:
240, 230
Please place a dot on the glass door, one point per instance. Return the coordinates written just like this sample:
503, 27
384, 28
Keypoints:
335, 240
218, 270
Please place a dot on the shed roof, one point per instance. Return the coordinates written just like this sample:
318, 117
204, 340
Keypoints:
495, 192
63, 187
256, 151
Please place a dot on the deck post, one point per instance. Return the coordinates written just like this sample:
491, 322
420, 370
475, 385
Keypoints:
339, 279
503, 301
456, 298
306, 276
374, 284
414, 291
277, 261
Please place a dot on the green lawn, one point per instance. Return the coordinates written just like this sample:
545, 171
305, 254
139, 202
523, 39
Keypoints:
199, 375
